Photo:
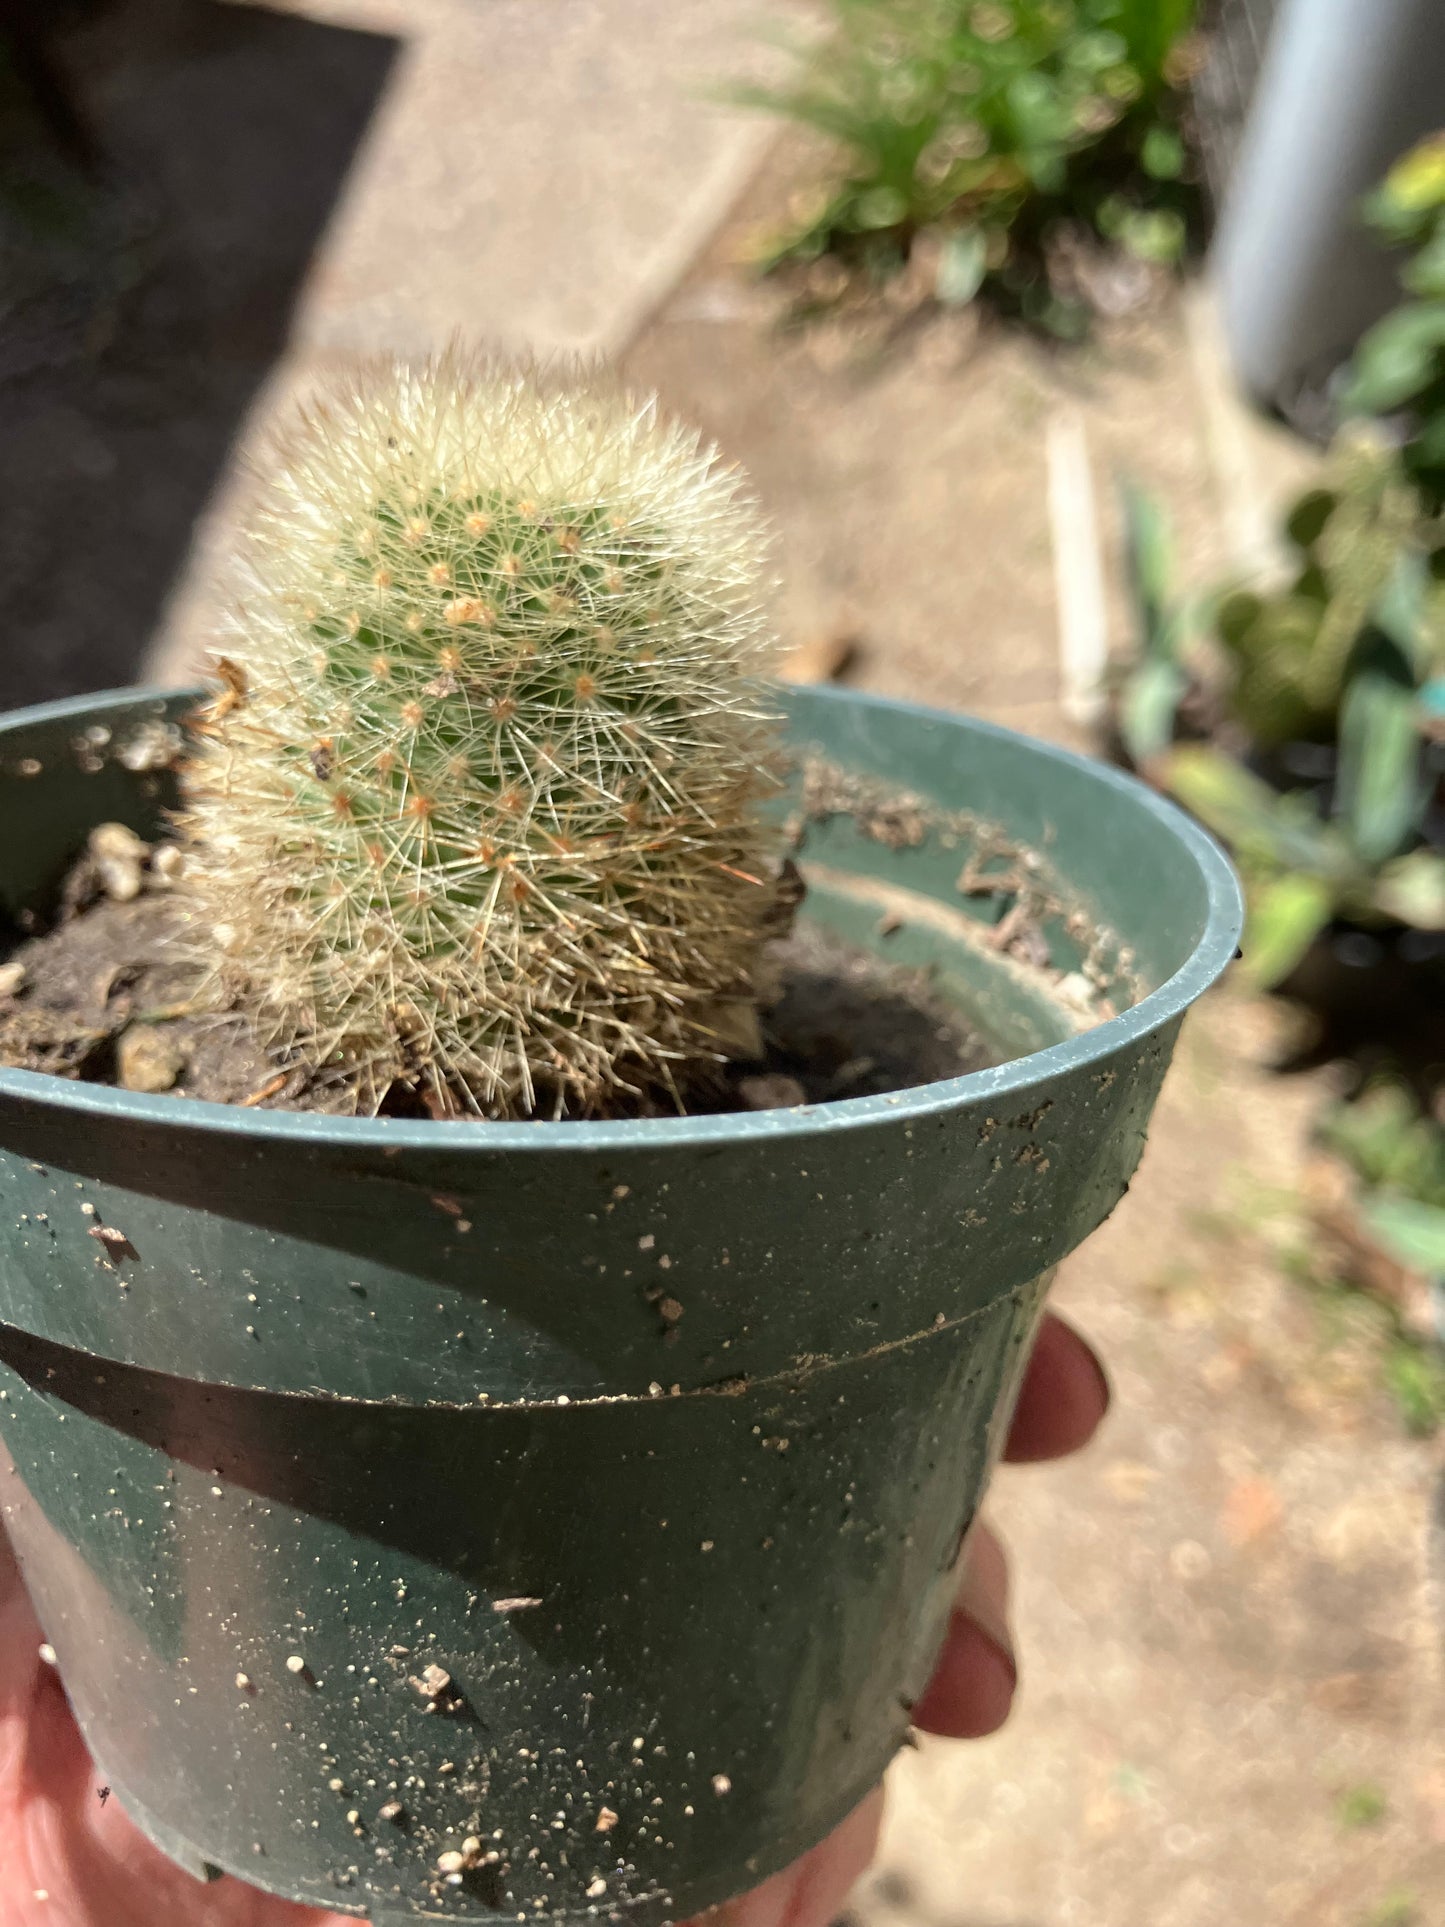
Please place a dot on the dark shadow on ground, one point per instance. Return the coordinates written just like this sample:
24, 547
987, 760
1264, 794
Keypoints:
1375, 999
153, 238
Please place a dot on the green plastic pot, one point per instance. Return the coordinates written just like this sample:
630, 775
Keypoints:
369, 1397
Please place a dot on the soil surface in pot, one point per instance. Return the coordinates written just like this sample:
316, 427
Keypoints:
104, 995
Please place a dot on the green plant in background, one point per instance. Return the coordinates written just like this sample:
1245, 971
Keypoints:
1346, 654
1350, 651
995, 122
1167, 625
1396, 1154
1391, 1334
1356, 1324
1359, 1806
1291, 651
1399, 1908
480, 808
1365, 856
1397, 1151
1363, 861
1399, 367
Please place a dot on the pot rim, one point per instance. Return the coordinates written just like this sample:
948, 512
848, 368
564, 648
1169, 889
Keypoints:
1213, 951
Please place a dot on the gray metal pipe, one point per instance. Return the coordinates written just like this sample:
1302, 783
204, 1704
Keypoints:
1346, 87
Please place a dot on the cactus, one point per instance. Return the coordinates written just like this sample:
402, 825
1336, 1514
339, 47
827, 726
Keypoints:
479, 809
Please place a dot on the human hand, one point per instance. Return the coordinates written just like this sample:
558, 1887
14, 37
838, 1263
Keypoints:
71, 1859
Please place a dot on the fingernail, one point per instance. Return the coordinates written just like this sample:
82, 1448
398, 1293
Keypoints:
1005, 1684
981, 1597
1105, 1388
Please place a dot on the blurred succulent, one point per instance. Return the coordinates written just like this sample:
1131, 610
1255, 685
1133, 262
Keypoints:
994, 121
1158, 677
1365, 855
1347, 654
1374, 523
1395, 1153
1399, 367
479, 808
1398, 1151
1391, 1142
1291, 650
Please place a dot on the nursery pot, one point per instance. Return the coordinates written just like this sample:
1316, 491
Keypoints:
658, 1439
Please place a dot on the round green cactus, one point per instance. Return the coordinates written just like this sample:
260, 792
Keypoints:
480, 808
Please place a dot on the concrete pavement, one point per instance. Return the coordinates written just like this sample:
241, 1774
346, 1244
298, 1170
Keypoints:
538, 174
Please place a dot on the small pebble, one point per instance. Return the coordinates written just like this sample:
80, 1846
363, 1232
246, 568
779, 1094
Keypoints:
337, 1786
147, 1060
452, 1862
1076, 989
435, 1682
295, 1663
167, 862
597, 1888
393, 1811
12, 978
606, 1821
243, 1683
156, 745
118, 854
47, 1653
118, 839
721, 1784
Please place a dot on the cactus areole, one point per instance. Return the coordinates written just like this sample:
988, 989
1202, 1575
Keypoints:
540, 1517
479, 805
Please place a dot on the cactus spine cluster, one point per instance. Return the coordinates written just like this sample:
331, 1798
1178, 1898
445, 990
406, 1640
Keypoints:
480, 807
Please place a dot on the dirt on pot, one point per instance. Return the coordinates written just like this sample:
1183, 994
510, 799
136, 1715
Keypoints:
1028, 892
